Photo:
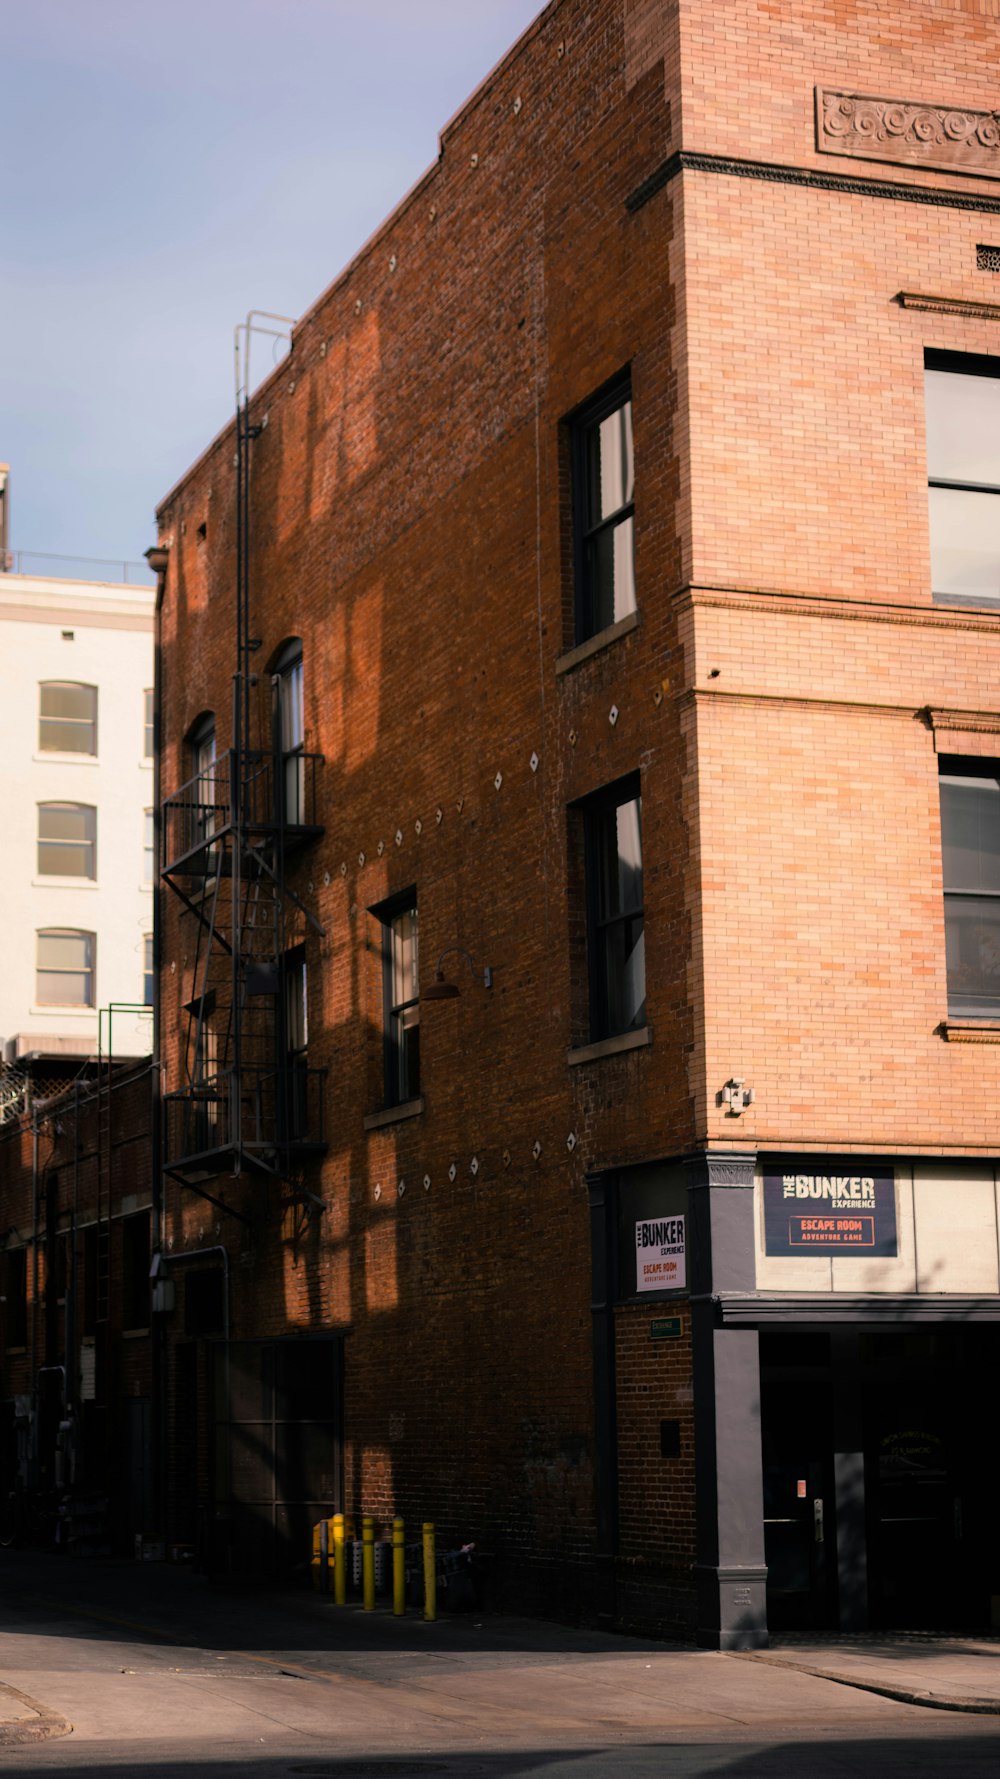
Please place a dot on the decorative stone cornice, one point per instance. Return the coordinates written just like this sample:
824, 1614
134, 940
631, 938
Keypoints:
877, 129
980, 722
969, 307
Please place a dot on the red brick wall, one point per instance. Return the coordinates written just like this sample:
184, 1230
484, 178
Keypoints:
409, 522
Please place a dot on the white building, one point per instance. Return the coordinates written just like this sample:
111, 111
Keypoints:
76, 796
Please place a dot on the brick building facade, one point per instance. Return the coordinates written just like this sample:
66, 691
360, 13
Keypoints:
587, 618
78, 1373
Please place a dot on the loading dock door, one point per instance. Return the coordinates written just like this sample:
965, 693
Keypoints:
277, 1452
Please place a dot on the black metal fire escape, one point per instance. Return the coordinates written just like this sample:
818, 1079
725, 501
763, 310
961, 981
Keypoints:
248, 1102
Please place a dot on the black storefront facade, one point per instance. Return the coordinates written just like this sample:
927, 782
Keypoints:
846, 1450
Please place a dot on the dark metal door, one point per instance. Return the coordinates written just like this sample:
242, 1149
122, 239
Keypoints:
278, 1451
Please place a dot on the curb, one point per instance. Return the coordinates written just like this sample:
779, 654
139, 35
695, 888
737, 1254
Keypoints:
40, 1728
966, 1702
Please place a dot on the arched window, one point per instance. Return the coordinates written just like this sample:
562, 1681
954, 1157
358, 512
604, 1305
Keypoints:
291, 729
67, 840
64, 975
200, 744
67, 718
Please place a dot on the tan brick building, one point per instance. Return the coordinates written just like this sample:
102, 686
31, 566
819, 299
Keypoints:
591, 616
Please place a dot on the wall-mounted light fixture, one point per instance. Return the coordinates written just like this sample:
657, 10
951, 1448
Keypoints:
440, 990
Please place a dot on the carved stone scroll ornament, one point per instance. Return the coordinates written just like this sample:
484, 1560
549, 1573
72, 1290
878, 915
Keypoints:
915, 135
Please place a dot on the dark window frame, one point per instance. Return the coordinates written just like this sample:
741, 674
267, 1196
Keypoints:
136, 1238
400, 1078
601, 924
289, 662
202, 756
952, 766
963, 364
614, 395
15, 1282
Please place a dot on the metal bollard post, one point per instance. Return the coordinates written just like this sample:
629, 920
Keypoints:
430, 1573
398, 1570
315, 1566
339, 1562
368, 1563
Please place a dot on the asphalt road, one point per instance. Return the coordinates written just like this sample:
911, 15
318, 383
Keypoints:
159, 1676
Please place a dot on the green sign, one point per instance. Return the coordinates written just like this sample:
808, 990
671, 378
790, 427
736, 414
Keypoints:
666, 1328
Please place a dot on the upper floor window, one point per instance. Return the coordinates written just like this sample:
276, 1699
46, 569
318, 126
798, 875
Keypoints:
963, 469
615, 936
400, 998
148, 731
148, 846
291, 730
603, 511
67, 840
200, 743
148, 982
67, 718
135, 1270
970, 848
64, 976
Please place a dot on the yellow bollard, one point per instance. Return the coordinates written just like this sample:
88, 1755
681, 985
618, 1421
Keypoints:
368, 1563
315, 1567
398, 1570
339, 1562
430, 1573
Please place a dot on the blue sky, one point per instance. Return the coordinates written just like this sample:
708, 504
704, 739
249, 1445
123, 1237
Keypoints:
168, 165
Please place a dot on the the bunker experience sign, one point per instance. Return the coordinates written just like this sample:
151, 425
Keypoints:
830, 1213
659, 1254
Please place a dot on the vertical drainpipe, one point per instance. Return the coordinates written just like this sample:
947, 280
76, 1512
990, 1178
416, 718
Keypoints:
158, 558
603, 1262
69, 1308
33, 1381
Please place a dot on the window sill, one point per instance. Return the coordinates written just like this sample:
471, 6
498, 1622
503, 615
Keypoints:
54, 759
44, 1009
610, 1047
970, 1031
594, 644
394, 1114
54, 882
948, 602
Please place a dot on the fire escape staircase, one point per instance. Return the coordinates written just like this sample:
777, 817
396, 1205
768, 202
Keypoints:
247, 1102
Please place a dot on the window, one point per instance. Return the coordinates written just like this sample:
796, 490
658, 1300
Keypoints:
65, 973
148, 847
296, 1010
201, 758
148, 731
615, 941
15, 1291
400, 998
603, 508
970, 847
963, 468
135, 1271
67, 840
147, 970
67, 719
291, 731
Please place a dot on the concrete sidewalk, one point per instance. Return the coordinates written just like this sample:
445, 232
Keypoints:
174, 1624
947, 1672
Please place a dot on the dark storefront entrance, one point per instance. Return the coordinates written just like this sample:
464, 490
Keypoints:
881, 1455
